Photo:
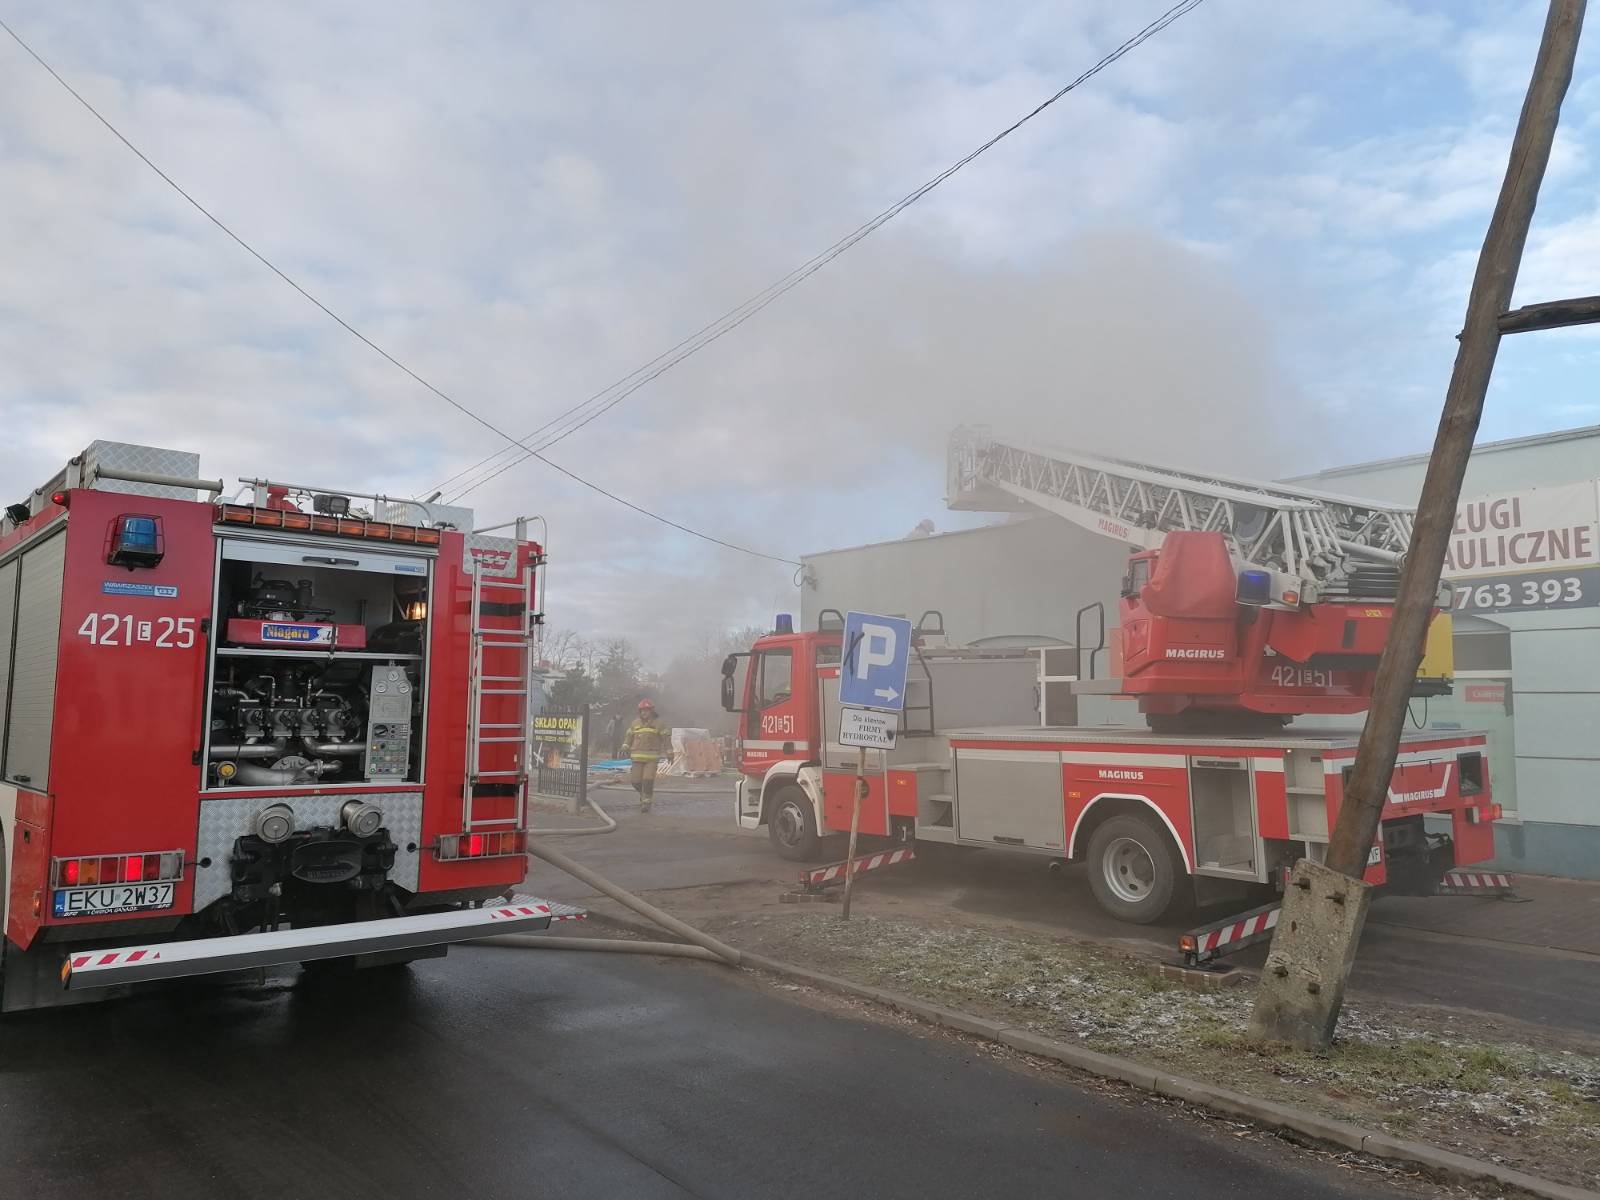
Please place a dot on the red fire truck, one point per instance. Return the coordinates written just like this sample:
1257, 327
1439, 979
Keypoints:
1245, 604
290, 726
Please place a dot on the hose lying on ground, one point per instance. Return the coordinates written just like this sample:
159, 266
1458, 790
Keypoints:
535, 941
609, 826
660, 791
610, 822
643, 907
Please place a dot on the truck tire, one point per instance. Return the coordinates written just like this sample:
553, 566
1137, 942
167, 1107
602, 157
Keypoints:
792, 825
1134, 869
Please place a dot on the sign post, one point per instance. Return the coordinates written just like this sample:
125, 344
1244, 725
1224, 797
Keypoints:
561, 754
872, 692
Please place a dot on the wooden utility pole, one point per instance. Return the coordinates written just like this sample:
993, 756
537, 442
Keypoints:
1303, 987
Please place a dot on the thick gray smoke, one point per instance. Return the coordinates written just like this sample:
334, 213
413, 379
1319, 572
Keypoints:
824, 423
526, 206
1119, 339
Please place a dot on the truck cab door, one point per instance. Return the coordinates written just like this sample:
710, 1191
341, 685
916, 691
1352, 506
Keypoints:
772, 717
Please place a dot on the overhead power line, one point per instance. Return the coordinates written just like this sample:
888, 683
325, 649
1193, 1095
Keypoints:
363, 338
568, 422
579, 415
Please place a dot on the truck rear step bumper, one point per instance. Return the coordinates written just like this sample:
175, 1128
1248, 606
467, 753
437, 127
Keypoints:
206, 956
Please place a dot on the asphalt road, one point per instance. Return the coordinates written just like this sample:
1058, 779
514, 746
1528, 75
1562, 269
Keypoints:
690, 840
522, 1074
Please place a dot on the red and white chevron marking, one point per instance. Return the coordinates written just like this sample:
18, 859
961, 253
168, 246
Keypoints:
517, 912
1213, 939
107, 958
1476, 881
868, 862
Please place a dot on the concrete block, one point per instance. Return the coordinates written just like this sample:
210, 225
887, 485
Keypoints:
832, 896
1302, 985
1199, 978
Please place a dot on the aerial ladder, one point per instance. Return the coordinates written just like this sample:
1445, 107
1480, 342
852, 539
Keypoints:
1245, 603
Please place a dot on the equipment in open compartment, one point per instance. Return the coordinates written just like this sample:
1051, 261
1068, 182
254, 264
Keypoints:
278, 722
277, 612
389, 697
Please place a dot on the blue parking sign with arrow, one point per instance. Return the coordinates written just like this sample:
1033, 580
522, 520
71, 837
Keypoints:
872, 670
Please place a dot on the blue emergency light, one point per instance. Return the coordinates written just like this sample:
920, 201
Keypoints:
1255, 587
784, 623
135, 541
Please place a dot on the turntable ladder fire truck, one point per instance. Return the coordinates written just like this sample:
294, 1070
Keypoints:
287, 727
1244, 605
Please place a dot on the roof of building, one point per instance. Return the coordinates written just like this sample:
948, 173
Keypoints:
1016, 519
1410, 460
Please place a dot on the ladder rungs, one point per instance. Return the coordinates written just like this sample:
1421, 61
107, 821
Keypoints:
497, 775
501, 725
484, 740
518, 584
499, 678
502, 691
480, 822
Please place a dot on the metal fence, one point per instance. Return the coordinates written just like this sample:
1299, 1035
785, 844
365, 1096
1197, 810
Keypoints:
561, 746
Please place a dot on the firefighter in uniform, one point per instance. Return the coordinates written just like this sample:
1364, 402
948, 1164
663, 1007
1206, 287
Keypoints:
646, 743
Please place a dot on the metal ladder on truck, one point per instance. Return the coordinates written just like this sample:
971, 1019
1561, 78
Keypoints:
1331, 542
499, 688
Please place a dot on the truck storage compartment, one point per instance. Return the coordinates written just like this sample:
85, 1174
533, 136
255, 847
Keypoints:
1307, 796
1224, 815
1010, 798
317, 673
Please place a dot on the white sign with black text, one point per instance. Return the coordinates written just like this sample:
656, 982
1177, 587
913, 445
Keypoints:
865, 727
1532, 550
1520, 533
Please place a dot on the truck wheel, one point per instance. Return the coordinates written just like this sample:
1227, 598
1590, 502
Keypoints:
792, 825
1134, 869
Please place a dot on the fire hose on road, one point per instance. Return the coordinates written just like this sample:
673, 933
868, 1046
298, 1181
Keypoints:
610, 822
578, 830
704, 945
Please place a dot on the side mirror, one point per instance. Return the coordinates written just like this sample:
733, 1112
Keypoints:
729, 666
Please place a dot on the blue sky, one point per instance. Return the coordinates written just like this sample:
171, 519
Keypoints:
1247, 246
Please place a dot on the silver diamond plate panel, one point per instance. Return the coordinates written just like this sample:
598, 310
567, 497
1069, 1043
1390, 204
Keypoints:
408, 514
224, 818
495, 556
153, 460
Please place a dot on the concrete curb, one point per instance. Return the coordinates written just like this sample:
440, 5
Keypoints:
1267, 1113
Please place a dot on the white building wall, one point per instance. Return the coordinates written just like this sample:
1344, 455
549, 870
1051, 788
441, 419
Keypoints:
1024, 578
1555, 659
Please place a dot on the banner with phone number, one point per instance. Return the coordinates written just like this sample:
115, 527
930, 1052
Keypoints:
1530, 592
